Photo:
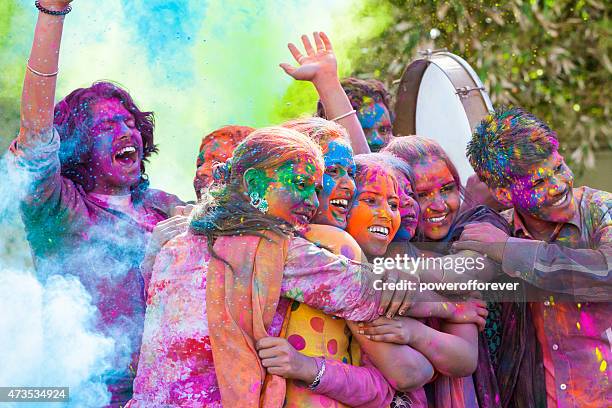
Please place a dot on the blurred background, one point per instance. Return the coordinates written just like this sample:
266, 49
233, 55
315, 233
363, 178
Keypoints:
200, 65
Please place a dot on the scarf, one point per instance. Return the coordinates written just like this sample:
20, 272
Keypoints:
241, 303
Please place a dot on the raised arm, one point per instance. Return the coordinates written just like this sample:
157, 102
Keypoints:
319, 66
37, 100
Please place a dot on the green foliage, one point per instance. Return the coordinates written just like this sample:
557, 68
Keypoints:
551, 57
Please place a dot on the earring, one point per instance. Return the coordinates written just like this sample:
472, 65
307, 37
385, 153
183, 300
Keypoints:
259, 202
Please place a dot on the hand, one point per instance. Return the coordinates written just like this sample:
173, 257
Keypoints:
280, 358
396, 301
477, 193
471, 311
183, 210
165, 230
484, 238
317, 65
387, 330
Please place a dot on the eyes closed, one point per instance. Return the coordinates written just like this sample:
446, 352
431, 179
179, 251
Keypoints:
538, 182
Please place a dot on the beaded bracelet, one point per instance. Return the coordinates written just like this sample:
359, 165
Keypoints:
52, 12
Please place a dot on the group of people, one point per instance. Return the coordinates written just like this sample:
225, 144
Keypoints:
262, 292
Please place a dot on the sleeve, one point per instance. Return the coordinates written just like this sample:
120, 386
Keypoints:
584, 273
330, 283
341, 380
44, 192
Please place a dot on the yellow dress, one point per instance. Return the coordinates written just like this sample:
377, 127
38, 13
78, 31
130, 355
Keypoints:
315, 334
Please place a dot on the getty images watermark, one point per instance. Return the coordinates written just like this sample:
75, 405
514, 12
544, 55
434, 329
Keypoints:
468, 266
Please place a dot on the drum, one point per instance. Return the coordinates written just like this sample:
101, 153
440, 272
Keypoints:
441, 97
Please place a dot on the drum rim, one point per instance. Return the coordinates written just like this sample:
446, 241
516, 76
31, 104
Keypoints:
412, 77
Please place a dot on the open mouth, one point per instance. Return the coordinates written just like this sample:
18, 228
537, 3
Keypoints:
437, 219
383, 232
339, 203
303, 217
126, 156
561, 201
409, 218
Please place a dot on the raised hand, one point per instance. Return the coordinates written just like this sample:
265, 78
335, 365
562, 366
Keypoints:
318, 64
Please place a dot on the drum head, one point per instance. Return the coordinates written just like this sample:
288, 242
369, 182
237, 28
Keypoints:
431, 103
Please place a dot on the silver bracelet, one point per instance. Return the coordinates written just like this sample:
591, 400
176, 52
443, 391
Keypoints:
42, 74
344, 115
317, 379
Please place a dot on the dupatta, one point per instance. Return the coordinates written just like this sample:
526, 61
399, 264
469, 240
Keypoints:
241, 303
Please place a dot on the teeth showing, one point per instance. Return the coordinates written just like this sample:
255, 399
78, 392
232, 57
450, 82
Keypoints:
436, 219
339, 202
560, 201
127, 149
379, 230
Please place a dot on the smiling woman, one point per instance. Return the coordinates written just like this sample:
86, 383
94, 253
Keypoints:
374, 218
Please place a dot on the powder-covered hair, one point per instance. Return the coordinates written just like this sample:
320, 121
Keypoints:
318, 129
414, 149
74, 119
398, 165
225, 208
373, 162
359, 91
233, 133
507, 143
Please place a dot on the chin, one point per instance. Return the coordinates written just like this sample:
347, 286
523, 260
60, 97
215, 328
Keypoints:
436, 235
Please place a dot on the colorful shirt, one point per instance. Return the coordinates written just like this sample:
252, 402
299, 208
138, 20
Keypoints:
575, 261
71, 232
316, 334
176, 365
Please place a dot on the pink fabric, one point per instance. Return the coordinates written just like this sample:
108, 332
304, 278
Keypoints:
176, 364
363, 387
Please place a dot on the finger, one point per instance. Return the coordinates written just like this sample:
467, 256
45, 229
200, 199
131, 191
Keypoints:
326, 41
267, 342
396, 303
172, 227
385, 338
318, 41
406, 303
391, 276
470, 245
370, 331
271, 362
295, 52
378, 322
481, 323
289, 69
268, 352
307, 45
